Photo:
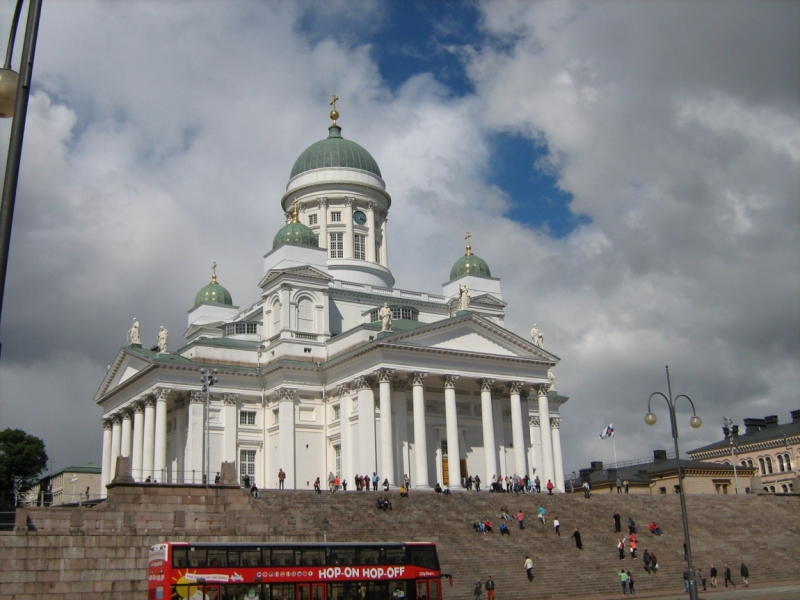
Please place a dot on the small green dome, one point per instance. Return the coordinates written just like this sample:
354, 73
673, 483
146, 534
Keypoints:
295, 233
470, 264
335, 151
213, 293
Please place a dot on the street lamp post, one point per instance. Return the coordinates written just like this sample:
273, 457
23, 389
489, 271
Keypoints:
208, 379
728, 431
10, 85
650, 418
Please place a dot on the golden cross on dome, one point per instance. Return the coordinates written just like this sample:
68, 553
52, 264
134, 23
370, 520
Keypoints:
294, 215
469, 248
214, 272
334, 112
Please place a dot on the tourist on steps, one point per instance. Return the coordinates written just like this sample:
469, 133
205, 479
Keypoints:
630, 583
557, 525
550, 487
542, 512
577, 535
623, 579
489, 588
317, 486
646, 559
478, 590
617, 522
504, 529
521, 519
745, 573
529, 568
621, 548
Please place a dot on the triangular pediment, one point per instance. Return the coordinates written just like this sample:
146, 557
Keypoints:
126, 366
488, 300
472, 334
303, 271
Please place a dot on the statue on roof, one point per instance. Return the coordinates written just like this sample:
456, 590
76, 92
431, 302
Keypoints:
463, 297
133, 333
537, 337
385, 314
163, 338
552, 378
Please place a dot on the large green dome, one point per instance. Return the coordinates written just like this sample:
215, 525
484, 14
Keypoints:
335, 151
470, 264
295, 233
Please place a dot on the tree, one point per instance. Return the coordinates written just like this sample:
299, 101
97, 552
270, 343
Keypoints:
22, 459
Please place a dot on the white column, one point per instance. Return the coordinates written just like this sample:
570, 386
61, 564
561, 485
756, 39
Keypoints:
348, 227
536, 447
125, 444
345, 409
231, 425
517, 437
544, 431
451, 424
286, 449
324, 242
138, 440
499, 435
371, 232
180, 440
420, 474
557, 462
400, 405
148, 448
193, 457
385, 242
160, 444
489, 447
105, 477
116, 444
367, 464
387, 439
286, 307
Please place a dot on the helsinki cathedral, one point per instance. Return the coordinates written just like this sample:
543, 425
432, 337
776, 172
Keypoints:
333, 369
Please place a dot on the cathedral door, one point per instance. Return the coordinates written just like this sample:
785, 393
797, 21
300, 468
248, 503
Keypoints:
445, 472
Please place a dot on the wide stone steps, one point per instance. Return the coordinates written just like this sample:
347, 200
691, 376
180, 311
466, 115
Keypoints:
758, 530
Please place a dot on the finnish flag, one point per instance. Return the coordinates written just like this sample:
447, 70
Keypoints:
607, 432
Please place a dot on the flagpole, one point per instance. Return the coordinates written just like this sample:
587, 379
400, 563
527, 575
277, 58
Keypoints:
614, 442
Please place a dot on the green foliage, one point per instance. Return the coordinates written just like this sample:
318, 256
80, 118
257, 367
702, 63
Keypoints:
22, 460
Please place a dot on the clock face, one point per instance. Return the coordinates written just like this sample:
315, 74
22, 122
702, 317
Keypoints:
359, 217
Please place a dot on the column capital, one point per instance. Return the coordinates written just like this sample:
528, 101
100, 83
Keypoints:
349, 200
230, 399
371, 205
197, 397
541, 389
343, 390
323, 202
149, 402
555, 422
418, 377
486, 384
516, 387
161, 393
285, 394
450, 381
116, 418
535, 421
361, 383
138, 406
126, 413
106, 423
384, 375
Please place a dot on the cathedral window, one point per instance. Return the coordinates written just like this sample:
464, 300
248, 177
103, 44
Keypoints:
768, 460
312, 219
240, 328
377, 251
247, 417
247, 464
305, 315
275, 417
398, 312
336, 217
337, 245
360, 247
762, 466
337, 412
337, 453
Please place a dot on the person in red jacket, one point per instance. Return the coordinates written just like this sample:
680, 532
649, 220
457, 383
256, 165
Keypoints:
550, 487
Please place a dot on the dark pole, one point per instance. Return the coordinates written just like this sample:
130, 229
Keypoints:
15, 141
684, 517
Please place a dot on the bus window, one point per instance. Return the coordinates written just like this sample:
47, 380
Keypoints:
242, 591
198, 557
346, 591
424, 556
282, 557
283, 591
368, 556
422, 590
180, 557
342, 556
251, 557
392, 556
435, 589
311, 556
217, 557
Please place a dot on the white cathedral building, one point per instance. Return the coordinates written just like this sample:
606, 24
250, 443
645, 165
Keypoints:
313, 379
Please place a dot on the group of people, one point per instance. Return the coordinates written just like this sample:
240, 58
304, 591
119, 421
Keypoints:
509, 483
479, 586
383, 503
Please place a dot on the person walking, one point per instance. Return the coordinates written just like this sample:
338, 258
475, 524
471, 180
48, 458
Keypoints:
542, 512
550, 487
630, 583
745, 573
646, 560
529, 567
619, 485
621, 548
577, 535
478, 590
489, 588
686, 579
653, 563
281, 478
521, 519
336, 483
587, 491
702, 578
623, 579
557, 525
617, 522
625, 484
713, 574
727, 573
634, 544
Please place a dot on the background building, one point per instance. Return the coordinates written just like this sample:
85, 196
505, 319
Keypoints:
67, 486
332, 369
769, 447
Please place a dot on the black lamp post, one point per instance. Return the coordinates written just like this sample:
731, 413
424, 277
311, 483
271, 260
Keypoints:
650, 418
10, 86
208, 379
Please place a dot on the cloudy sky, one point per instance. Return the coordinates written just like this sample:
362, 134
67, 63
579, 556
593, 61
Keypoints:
629, 169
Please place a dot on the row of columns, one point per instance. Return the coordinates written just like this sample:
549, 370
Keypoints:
549, 456
370, 209
140, 431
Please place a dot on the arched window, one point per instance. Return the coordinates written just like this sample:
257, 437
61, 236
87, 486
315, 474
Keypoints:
768, 460
305, 315
744, 463
780, 463
749, 462
763, 469
787, 460
784, 488
772, 489
276, 317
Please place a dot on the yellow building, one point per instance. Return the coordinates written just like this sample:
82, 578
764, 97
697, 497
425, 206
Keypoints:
67, 486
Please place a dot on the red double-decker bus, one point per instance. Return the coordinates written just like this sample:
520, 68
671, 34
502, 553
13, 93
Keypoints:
313, 571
